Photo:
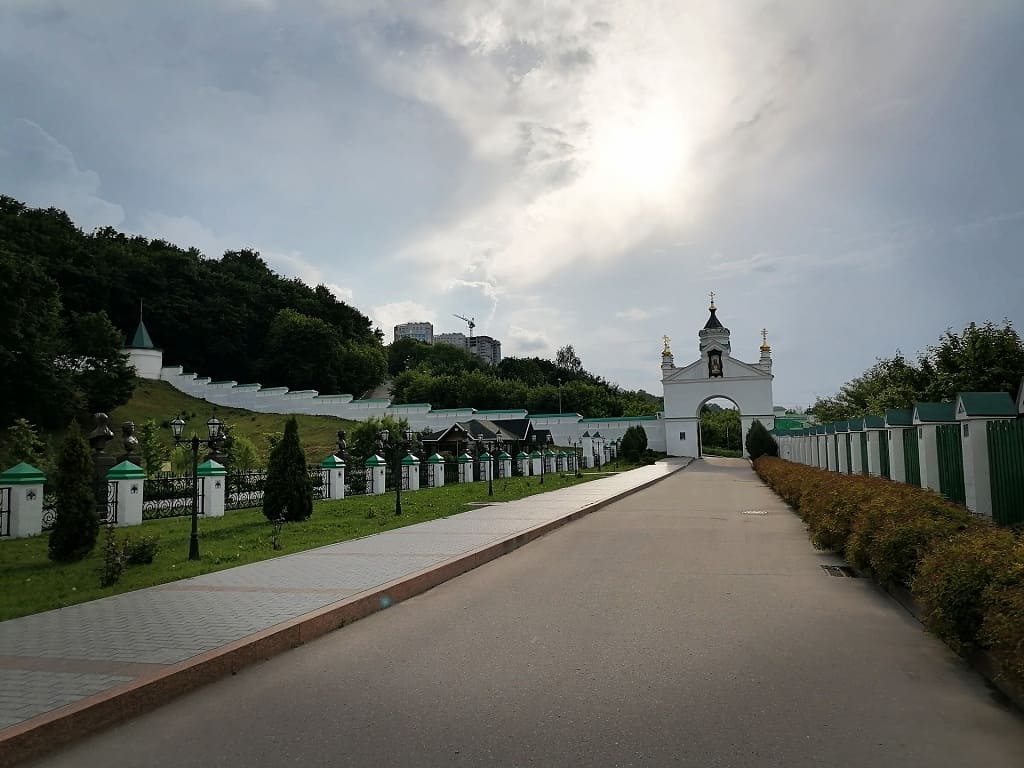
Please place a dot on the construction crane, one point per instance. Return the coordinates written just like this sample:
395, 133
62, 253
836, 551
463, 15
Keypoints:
471, 322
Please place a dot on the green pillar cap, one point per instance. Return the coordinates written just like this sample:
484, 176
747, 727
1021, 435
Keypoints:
535, 455
374, 461
485, 456
562, 454
504, 457
410, 459
436, 459
465, 458
523, 455
210, 468
549, 452
332, 462
22, 474
126, 470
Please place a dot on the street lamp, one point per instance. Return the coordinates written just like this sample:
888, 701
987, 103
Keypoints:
488, 445
215, 430
384, 437
559, 394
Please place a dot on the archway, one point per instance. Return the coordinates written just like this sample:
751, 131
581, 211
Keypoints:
719, 427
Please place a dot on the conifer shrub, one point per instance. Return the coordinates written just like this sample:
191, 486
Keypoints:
289, 491
634, 443
76, 524
1002, 628
759, 442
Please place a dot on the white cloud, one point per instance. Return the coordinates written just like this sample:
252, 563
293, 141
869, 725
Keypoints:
39, 170
635, 314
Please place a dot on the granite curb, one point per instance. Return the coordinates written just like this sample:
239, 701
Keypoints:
49, 731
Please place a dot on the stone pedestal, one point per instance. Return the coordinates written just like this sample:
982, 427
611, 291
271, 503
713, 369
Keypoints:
21, 501
486, 466
465, 468
410, 473
437, 470
523, 459
928, 448
213, 476
897, 457
504, 465
535, 459
130, 481
335, 469
375, 474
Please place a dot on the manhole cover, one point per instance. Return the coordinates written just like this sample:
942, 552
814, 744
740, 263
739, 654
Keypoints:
754, 512
840, 571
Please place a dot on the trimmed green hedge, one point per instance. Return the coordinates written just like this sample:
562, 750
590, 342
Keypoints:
966, 574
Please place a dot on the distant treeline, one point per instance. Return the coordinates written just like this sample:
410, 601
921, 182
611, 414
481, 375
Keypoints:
69, 299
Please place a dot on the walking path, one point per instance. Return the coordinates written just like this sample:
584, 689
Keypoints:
68, 671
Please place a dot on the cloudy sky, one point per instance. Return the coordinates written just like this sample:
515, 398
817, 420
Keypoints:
848, 175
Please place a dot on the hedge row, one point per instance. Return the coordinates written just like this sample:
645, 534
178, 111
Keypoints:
966, 574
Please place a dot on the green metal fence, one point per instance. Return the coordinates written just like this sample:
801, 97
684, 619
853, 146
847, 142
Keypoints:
883, 455
951, 462
849, 455
1006, 470
863, 438
911, 457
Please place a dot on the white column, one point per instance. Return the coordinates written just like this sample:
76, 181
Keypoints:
486, 466
21, 494
437, 470
841, 438
855, 456
130, 480
411, 472
213, 476
897, 458
375, 474
977, 477
334, 466
524, 463
504, 464
465, 468
535, 463
929, 450
874, 438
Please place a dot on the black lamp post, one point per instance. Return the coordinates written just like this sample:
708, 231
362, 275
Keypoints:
397, 447
215, 429
577, 454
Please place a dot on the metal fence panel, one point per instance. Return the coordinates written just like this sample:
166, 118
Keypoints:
883, 455
1006, 470
862, 438
951, 463
5, 511
911, 457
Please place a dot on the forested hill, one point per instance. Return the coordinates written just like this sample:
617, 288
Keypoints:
228, 318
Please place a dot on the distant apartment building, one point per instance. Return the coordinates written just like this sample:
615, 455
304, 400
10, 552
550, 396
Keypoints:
420, 331
485, 347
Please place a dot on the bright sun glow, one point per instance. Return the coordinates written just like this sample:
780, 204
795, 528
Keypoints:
643, 153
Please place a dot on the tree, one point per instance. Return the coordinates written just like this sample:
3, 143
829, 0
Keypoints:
360, 366
152, 449
22, 444
634, 443
982, 358
288, 492
567, 360
760, 442
301, 353
76, 524
95, 359
362, 438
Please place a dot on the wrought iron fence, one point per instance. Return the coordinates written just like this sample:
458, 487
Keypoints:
167, 496
244, 490
451, 472
318, 477
49, 508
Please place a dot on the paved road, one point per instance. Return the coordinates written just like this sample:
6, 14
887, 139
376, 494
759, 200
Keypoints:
666, 629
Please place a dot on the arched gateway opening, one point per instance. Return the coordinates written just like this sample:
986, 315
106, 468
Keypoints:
719, 429
714, 390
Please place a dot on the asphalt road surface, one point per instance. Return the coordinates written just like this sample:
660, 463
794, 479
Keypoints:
668, 629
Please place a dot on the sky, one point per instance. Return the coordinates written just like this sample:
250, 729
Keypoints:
849, 176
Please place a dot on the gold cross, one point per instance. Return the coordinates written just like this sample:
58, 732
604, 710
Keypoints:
666, 339
712, 298
764, 335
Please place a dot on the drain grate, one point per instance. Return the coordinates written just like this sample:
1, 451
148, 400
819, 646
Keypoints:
840, 571
753, 512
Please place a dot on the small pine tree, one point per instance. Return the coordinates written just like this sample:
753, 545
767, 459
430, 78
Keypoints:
76, 524
152, 449
634, 443
289, 490
760, 442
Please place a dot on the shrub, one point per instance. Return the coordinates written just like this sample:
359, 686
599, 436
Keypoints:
289, 491
952, 578
113, 558
152, 450
141, 550
1002, 629
76, 524
759, 442
634, 443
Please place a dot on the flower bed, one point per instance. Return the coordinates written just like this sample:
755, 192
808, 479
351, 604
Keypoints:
966, 574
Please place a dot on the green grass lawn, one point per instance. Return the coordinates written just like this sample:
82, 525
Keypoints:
33, 583
161, 402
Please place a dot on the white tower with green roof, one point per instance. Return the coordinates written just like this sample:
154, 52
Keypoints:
143, 354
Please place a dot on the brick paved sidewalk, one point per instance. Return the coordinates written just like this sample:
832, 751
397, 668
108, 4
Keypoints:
93, 650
